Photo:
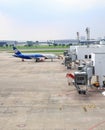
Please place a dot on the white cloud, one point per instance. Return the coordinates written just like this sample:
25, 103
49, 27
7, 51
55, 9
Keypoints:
5, 26
47, 19
81, 4
53, 5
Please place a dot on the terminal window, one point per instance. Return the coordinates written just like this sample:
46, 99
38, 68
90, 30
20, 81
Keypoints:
86, 56
89, 56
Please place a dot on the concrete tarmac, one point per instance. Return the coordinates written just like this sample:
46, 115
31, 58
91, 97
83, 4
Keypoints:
36, 96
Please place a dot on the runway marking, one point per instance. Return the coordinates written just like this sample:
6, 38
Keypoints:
93, 127
21, 125
89, 106
85, 109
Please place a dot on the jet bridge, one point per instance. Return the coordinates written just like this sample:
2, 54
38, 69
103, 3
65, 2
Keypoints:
81, 82
69, 59
82, 78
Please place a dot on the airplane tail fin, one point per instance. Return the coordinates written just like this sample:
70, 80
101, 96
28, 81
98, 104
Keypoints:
16, 51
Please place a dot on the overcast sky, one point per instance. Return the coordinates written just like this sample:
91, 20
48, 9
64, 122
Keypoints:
51, 19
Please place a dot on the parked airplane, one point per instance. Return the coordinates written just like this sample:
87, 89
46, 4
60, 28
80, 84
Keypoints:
36, 56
